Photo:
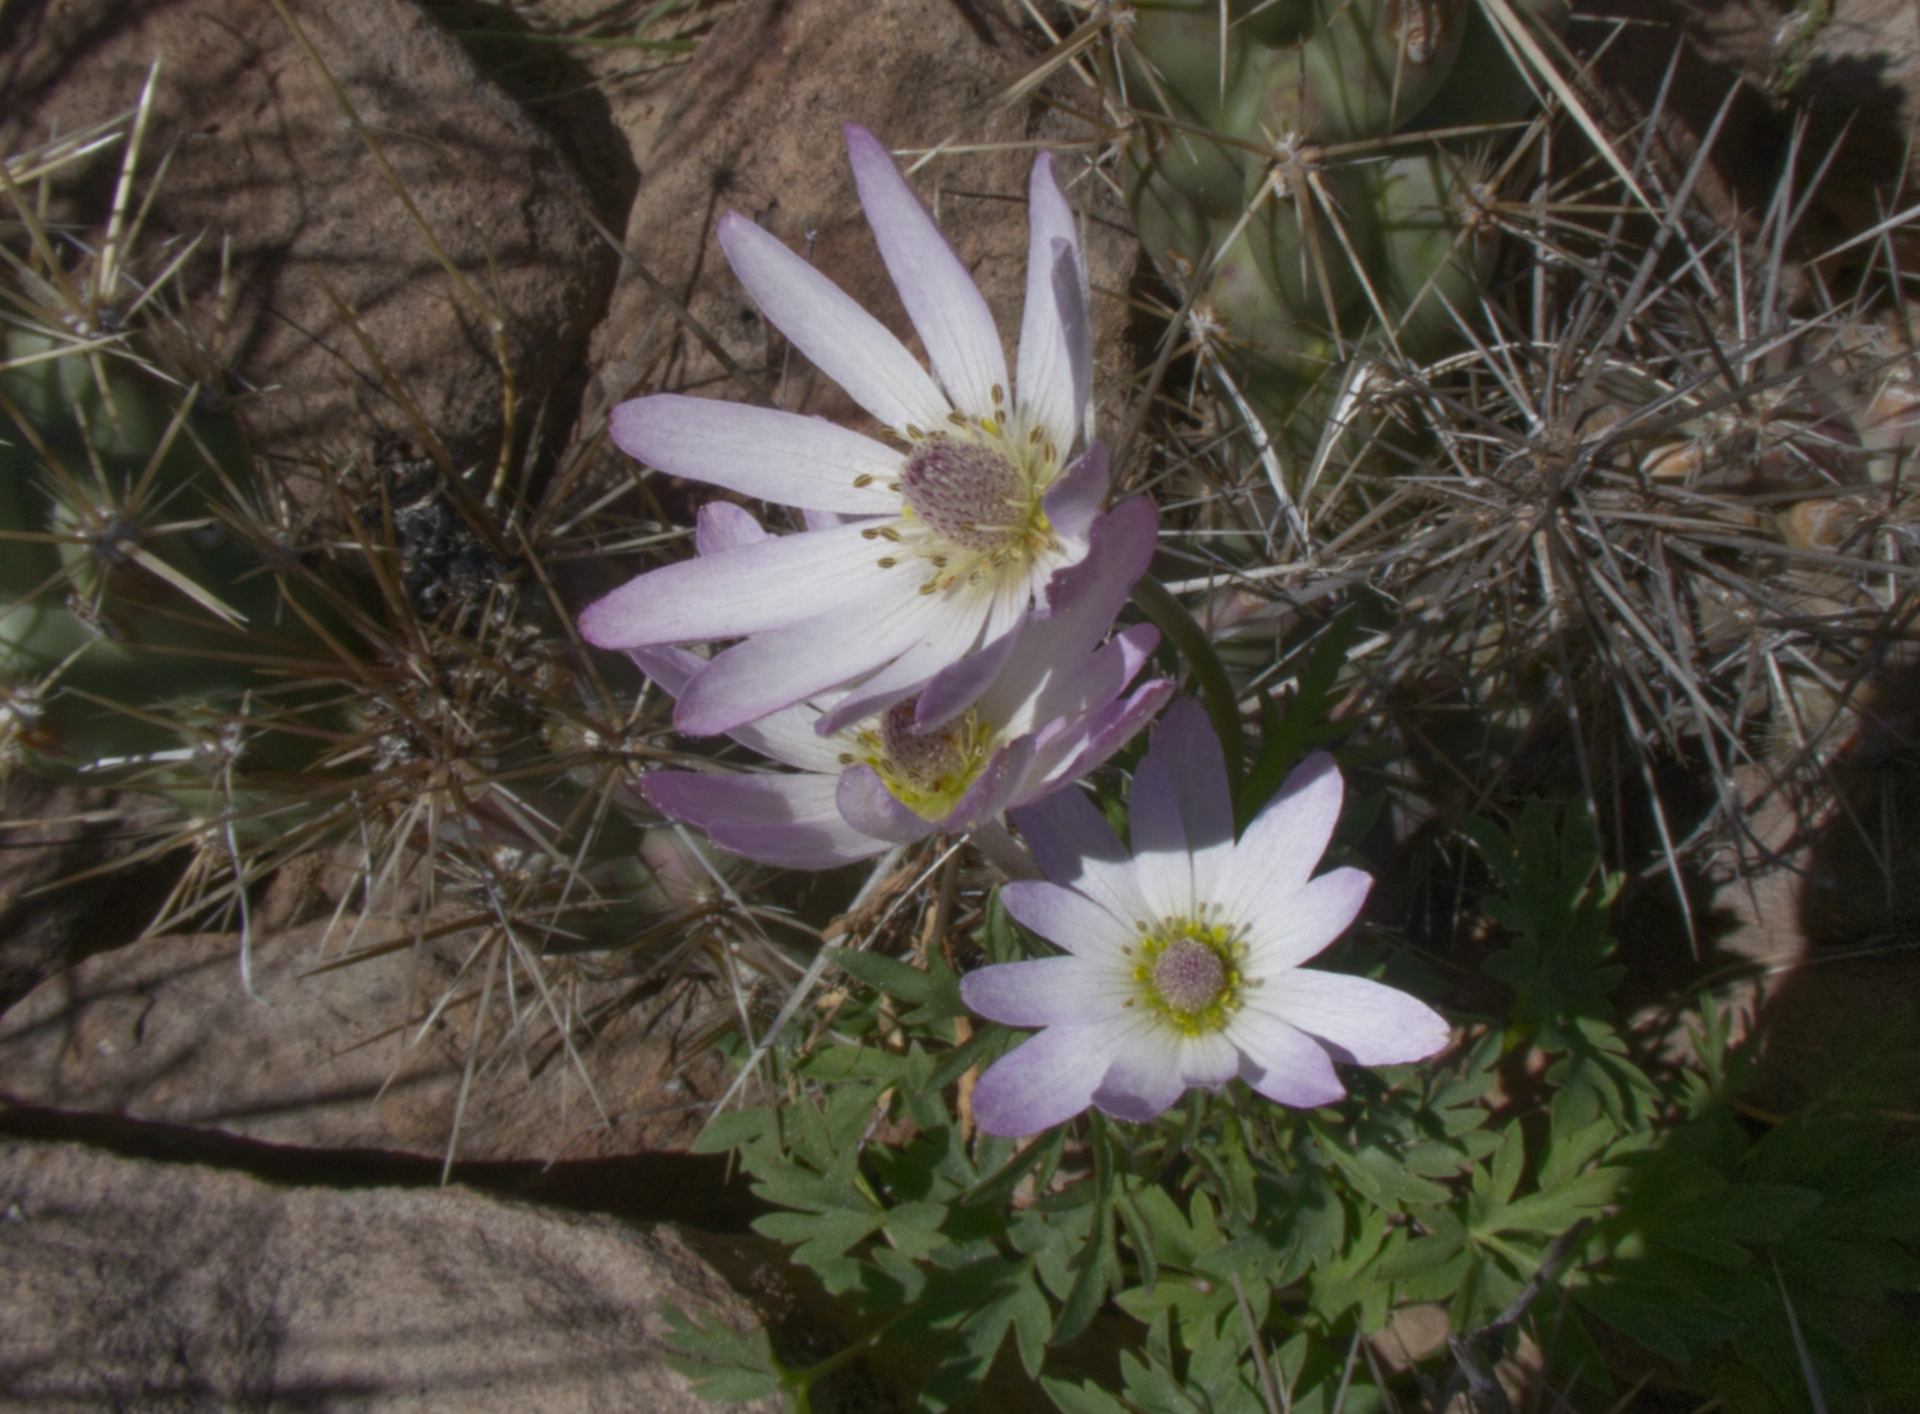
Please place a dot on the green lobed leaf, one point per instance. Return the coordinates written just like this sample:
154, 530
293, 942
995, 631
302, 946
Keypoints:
720, 1362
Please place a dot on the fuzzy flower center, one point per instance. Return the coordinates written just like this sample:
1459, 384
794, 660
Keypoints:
972, 501
967, 493
1189, 971
927, 772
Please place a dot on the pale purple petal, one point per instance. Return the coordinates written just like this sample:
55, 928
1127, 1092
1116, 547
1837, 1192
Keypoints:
993, 788
721, 525
1082, 601
761, 452
1056, 346
776, 670
781, 580
1359, 1021
946, 307
1048, 991
1069, 919
840, 338
1093, 682
945, 638
788, 736
1185, 745
823, 844
1046, 1080
868, 806
1075, 499
670, 668
1136, 644
1075, 847
1209, 1060
1144, 1078
1092, 740
1289, 926
1161, 863
1283, 845
786, 820
1281, 1063
954, 688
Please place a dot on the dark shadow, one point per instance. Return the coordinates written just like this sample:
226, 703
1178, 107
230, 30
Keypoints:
50, 918
554, 90
693, 1189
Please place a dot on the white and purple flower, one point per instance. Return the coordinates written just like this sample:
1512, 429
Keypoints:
1054, 706
918, 554
1183, 959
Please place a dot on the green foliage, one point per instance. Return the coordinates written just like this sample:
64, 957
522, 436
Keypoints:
1555, 910
1238, 1235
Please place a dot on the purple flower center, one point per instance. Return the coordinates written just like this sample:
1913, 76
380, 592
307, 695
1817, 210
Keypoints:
928, 772
1189, 975
970, 494
921, 759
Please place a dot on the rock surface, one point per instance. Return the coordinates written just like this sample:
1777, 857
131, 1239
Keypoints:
50, 916
264, 158
132, 1285
757, 127
164, 1032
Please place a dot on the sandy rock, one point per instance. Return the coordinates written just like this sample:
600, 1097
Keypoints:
50, 915
126, 1284
757, 127
164, 1032
264, 158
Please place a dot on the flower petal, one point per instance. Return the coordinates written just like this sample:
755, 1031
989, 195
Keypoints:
788, 736
1161, 863
1210, 1060
1286, 927
1082, 601
1281, 848
762, 452
1185, 744
1070, 919
1073, 501
778, 669
956, 687
780, 580
1075, 847
1281, 1063
993, 788
790, 821
1359, 1021
1047, 991
1145, 1076
946, 638
868, 806
826, 324
1056, 343
946, 307
1046, 1080
1092, 739
669, 668
721, 525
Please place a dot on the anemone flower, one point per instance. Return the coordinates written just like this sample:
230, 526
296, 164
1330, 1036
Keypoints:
1053, 707
919, 551
1183, 960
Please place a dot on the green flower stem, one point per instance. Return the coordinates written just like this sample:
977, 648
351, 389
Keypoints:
1170, 616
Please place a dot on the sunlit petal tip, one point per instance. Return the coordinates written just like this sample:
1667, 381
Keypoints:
946, 307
